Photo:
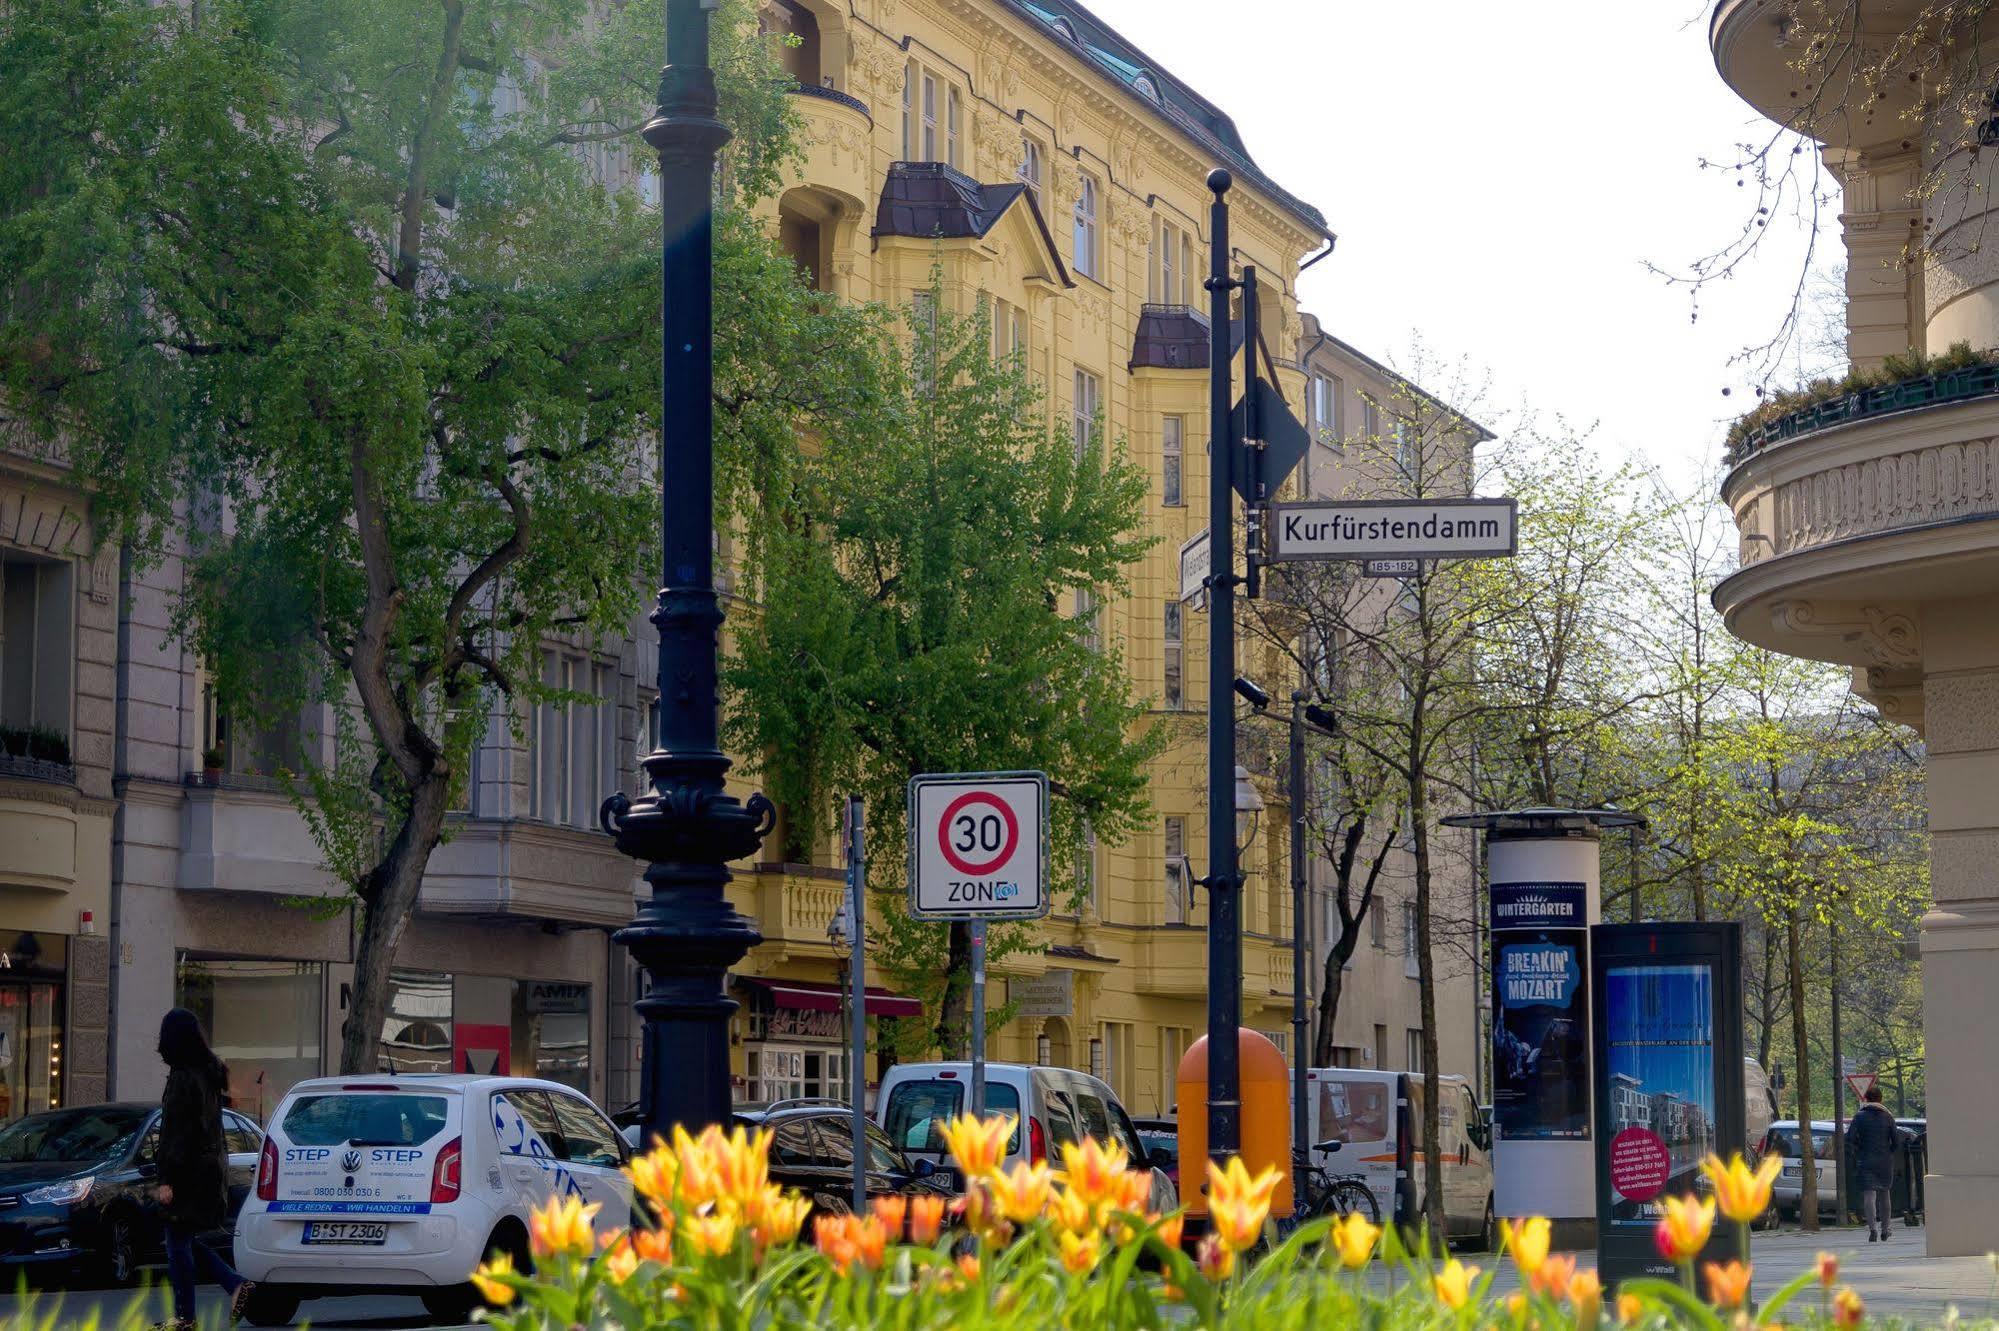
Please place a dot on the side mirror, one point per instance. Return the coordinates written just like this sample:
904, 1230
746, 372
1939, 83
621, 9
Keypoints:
1327, 1146
925, 1168
1159, 1158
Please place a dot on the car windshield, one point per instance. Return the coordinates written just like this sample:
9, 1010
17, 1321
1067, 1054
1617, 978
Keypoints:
72, 1136
918, 1111
364, 1119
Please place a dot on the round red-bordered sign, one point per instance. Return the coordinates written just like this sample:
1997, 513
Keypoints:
977, 868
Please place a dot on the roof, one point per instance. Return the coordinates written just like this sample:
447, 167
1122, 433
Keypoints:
417, 1081
1175, 337
1315, 331
1189, 112
930, 200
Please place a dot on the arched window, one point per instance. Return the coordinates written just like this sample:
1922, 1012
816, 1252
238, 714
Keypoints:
1066, 28
1145, 85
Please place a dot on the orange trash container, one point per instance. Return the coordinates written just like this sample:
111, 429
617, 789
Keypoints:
1265, 1083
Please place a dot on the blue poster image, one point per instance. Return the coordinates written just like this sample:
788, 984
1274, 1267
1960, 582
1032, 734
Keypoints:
1540, 1037
1659, 1040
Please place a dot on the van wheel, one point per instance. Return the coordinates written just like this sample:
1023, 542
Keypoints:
268, 1306
453, 1304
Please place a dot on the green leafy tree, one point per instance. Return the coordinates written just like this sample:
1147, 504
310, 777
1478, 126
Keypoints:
329, 297
919, 589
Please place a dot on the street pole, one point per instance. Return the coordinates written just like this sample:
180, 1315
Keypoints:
857, 993
1300, 954
1223, 884
686, 825
1838, 1087
978, 930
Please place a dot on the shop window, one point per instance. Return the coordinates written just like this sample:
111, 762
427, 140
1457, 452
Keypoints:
551, 1031
264, 1018
796, 1071
416, 1035
575, 742
36, 648
31, 1024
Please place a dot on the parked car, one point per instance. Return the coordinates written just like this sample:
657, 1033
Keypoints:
407, 1182
1369, 1122
812, 1151
76, 1188
1161, 1139
1782, 1139
1052, 1106
1759, 1103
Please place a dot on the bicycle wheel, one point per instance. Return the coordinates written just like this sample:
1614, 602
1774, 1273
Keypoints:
1347, 1197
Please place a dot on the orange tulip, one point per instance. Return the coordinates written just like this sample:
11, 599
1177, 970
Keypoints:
1552, 1277
893, 1209
978, 1144
1727, 1283
653, 1174
621, 1262
846, 1239
1021, 1193
1171, 1228
1630, 1309
1079, 1251
968, 1265
654, 1245
1847, 1310
1527, 1241
1215, 1259
783, 1215
563, 1226
1741, 1193
711, 1234
1453, 1284
1828, 1269
490, 1279
926, 1218
1684, 1228
700, 1181
1238, 1204
1093, 1171
1586, 1296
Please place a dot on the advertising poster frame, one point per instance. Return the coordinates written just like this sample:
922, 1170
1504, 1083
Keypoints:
1666, 1007
1541, 1010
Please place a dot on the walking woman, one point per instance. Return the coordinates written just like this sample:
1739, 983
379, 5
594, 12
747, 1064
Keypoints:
193, 1164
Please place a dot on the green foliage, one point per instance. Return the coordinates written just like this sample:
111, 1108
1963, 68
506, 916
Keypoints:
40, 743
1912, 364
916, 567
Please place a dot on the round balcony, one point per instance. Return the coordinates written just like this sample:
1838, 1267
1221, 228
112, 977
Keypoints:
1759, 46
839, 145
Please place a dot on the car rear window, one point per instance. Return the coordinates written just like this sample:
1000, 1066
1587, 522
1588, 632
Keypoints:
365, 1118
918, 1111
1784, 1142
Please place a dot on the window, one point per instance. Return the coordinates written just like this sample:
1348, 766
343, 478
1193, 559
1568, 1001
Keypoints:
550, 1031
1120, 1050
240, 1135
1086, 865
416, 1035
1009, 334
35, 652
1171, 278
1409, 962
1408, 459
1172, 444
1345, 1056
1083, 410
951, 119
909, 112
929, 117
1415, 1058
1370, 417
1083, 242
1030, 166
1088, 614
1146, 87
587, 1136
339, 1118
1325, 408
793, 1143
533, 1107
1173, 1042
263, 1019
1092, 1117
1377, 925
1173, 692
575, 742
923, 315
1177, 884
918, 1111
1380, 1050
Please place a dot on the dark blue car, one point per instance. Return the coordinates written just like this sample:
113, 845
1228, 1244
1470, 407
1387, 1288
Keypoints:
76, 1190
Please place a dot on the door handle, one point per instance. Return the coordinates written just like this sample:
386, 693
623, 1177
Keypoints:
524, 1172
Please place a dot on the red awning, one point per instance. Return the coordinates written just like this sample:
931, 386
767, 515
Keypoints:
812, 997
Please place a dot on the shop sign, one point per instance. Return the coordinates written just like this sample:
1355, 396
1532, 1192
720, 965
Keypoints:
1048, 995
546, 996
34, 954
803, 1022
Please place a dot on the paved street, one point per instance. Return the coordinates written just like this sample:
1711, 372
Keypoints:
378, 1312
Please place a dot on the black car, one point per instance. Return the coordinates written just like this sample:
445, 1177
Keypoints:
812, 1150
76, 1189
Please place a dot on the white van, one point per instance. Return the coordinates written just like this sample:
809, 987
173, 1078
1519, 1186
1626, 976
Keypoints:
405, 1183
1053, 1106
1759, 1104
1369, 1122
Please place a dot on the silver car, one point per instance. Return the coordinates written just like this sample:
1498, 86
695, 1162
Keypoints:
1782, 1139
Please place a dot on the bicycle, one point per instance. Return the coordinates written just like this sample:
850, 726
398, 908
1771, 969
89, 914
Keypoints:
1330, 1194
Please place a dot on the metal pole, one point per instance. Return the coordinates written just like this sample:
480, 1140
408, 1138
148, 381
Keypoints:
979, 1017
1838, 1087
686, 825
1224, 885
857, 993
1300, 954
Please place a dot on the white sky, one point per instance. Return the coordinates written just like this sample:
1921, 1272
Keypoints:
1498, 174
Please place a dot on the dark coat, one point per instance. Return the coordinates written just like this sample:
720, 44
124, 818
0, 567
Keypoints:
1873, 1138
191, 1157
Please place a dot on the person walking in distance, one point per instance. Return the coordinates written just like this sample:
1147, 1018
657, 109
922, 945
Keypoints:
194, 1165
1872, 1138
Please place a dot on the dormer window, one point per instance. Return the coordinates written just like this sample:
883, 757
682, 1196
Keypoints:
1146, 86
1066, 28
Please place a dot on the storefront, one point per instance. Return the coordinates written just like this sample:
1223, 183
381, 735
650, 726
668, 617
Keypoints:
34, 971
795, 1042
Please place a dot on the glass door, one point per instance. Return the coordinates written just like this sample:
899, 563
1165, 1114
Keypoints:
30, 1048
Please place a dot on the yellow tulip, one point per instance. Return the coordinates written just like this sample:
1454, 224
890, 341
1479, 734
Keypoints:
1552, 1277
1727, 1283
1079, 1251
782, 1216
1021, 1193
1239, 1203
713, 1234
978, 1144
1215, 1259
1094, 1172
1684, 1228
1355, 1236
1453, 1284
699, 1181
621, 1262
1527, 1240
1629, 1309
1071, 1212
488, 1280
1741, 1193
1586, 1295
563, 1225
1847, 1310
742, 1164
653, 1174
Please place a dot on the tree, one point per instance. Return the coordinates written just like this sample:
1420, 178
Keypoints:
915, 591
330, 294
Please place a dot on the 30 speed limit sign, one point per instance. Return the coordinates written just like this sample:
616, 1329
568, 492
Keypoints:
978, 845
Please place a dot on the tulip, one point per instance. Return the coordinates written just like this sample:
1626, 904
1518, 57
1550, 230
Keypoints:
1093, 1171
654, 1245
1171, 1228
1021, 1193
742, 1164
563, 1225
1516, 1308
1847, 1310
1527, 1240
968, 1265
1586, 1295
489, 1279
1684, 1228
1554, 1275
926, 1218
978, 1144
1079, 1251
653, 1174
1215, 1259
1355, 1236
699, 1181
1742, 1194
621, 1262
1629, 1309
1071, 1213
1238, 1204
1828, 1269
1453, 1284
712, 1234
892, 1209
783, 1216
1727, 1283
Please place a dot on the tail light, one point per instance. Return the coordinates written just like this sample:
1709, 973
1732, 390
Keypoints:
444, 1175
1037, 1142
267, 1172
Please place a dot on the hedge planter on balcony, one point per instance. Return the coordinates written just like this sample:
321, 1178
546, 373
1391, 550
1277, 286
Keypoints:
1902, 384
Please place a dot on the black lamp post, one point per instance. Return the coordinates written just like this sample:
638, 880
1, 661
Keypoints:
686, 825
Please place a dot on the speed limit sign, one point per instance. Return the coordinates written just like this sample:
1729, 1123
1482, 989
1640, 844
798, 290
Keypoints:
978, 845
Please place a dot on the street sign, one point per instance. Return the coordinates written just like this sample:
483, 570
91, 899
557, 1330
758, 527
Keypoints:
1284, 438
1861, 1082
978, 845
1196, 562
1392, 529
1391, 568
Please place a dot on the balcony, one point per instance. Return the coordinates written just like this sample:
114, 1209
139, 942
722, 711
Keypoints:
1757, 47
839, 144
792, 905
57, 847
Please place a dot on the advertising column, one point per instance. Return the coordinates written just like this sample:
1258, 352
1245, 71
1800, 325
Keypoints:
1544, 897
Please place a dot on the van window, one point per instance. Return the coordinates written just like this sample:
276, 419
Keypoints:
586, 1138
1353, 1111
918, 1111
533, 1108
1126, 1134
1096, 1120
1061, 1122
364, 1119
